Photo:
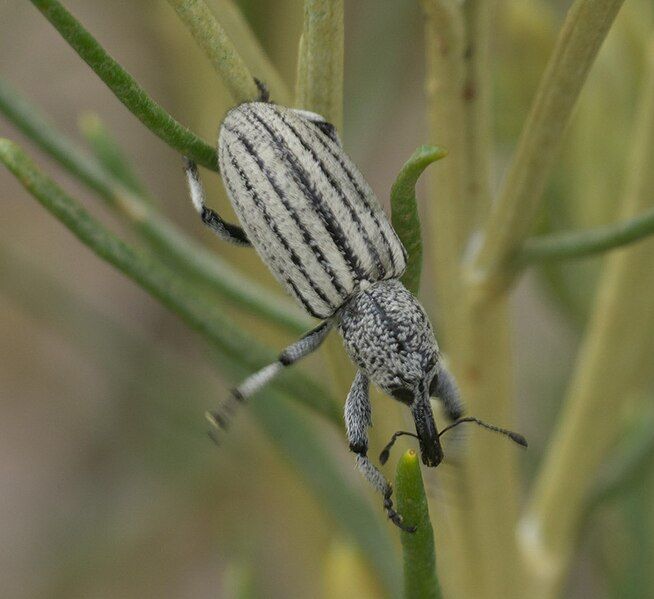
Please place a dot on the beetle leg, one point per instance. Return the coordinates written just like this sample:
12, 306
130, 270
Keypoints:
226, 231
301, 348
357, 421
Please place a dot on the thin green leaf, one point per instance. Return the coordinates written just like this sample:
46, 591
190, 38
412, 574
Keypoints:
629, 464
249, 47
578, 244
420, 578
125, 87
320, 64
109, 154
217, 46
160, 282
157, 230
404, 211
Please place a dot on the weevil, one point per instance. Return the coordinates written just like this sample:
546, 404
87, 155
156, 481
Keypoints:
313, 219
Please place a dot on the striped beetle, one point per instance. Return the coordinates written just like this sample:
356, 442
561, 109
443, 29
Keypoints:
315, 222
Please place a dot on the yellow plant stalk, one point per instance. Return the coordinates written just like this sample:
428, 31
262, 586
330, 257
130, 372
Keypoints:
584, 30
481, 513
610, 368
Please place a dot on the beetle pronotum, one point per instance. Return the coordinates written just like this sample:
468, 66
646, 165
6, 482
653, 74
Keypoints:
308, 212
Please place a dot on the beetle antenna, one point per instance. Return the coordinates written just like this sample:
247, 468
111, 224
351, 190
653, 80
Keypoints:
383, 456
515, 437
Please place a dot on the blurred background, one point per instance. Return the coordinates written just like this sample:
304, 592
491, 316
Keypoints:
109, 486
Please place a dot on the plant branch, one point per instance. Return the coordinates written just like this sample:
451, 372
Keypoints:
219, 49
404, 211
107, 152
125, 87
629, 464
579, 244
584, 30
160, 282
419, 552
250, 49
479, 17
320, 61
612, 367
157, 230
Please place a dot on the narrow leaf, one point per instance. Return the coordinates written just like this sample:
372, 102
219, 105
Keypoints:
125, 87
420, 579
579, 244
109, 154
404, 211
217, 46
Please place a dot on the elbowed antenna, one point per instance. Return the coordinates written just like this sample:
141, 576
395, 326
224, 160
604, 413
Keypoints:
515, 437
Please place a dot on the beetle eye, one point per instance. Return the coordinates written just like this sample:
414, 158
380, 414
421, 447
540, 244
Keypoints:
402, 394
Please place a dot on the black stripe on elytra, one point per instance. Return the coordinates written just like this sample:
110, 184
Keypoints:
311, 243
271, 258
306, 235
355, 184
327, 217
336, 186
270, 221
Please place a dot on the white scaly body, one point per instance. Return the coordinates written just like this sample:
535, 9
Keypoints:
306, 209
304, 206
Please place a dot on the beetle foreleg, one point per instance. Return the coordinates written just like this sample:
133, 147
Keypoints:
357, 421
224, 230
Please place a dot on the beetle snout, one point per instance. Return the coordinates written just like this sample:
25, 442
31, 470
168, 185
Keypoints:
431, 451
432, 455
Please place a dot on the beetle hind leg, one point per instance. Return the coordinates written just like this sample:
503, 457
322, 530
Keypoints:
221, 417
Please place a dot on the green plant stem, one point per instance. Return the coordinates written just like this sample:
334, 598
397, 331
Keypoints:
584, 30
578, 244
217, 46
613, 365
404, 211
158, 231
125, 87
320, 61
250, 49
108, 153
419, 552
629, 465
160, 282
